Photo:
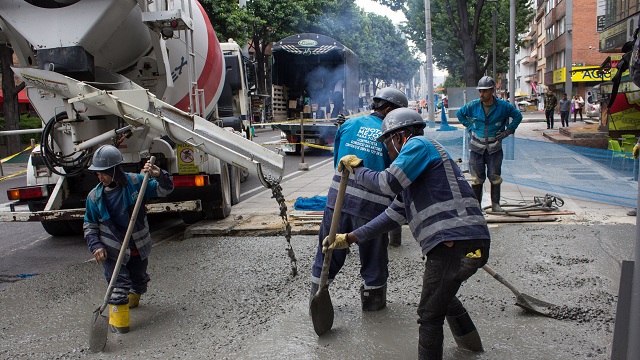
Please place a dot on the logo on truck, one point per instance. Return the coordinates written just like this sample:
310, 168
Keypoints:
307, 43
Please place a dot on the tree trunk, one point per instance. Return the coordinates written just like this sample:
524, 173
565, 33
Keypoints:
470, 63
261, 77
10, 93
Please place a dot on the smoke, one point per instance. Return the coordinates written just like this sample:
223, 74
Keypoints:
321, 83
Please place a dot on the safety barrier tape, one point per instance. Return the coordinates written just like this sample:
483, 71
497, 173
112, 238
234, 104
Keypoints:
297, 121
16, 154
11, 157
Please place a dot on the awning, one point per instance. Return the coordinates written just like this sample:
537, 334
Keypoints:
22, 97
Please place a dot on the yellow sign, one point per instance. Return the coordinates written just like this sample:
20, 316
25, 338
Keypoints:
581, 74
186, 160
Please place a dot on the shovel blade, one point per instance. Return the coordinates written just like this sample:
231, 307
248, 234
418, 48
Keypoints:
99, 331
321, 311
534, 305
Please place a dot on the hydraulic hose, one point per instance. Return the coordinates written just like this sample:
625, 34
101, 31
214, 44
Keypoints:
73, 164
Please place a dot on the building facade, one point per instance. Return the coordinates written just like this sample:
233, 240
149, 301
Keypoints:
585, 59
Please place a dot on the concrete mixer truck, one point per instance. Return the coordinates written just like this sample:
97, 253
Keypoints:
145, 76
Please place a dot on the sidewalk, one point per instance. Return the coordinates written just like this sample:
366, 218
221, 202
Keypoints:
259, 214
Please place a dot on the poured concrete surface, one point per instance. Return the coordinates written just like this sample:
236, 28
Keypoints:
233, 298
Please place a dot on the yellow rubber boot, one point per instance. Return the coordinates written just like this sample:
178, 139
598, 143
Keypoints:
134, 300
119, 318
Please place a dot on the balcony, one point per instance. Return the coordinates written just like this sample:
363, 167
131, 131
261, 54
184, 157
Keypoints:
531, 77
528, 60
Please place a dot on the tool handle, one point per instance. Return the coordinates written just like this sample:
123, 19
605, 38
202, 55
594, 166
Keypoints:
127, 236
501, 280
335, 222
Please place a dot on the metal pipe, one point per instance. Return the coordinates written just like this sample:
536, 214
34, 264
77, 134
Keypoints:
18, 132
101, 138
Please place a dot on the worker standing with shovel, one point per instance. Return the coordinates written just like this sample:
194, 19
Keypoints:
357, 136
109, 210
433, 196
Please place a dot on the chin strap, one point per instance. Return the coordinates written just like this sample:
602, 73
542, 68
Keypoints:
112, 184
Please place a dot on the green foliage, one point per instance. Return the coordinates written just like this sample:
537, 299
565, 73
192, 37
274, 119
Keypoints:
26, 122
382, 51
459, 23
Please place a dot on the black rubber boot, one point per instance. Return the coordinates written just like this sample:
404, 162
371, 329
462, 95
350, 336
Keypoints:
395, 237
373, 299
477, 189
464, 332
424, 354
495, 198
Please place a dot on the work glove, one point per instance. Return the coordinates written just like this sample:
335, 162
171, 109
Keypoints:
339, 243
503, 134
349, 162
636, 151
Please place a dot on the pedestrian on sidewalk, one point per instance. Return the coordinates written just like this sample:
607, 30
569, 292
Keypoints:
487, 120
578, 104
564, 109
357, 136
109, 208
550, 102
433, 196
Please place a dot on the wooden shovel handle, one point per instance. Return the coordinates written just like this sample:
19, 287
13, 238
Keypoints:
335, 222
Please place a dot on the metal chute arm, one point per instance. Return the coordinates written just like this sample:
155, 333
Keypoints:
141, 108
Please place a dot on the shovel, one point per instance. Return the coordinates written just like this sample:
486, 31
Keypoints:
528, 303
99, 322
321, 308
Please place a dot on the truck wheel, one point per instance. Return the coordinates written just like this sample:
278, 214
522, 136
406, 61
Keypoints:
54, 228
234, 178
222, 211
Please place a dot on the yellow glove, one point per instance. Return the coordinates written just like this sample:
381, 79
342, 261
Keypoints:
349, 162
339, 243
636, 151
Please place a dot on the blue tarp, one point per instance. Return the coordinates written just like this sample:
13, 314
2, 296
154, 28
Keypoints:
316, 203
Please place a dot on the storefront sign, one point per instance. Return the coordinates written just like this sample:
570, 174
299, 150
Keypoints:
581, 74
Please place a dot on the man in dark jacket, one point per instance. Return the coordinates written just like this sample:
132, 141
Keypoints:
550, 103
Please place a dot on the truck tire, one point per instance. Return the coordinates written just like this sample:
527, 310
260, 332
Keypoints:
54, 228
235, 178
222, 211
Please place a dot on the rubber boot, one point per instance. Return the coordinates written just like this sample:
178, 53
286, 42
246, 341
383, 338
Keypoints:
464, 332
395, 237
495, 198
119, 318
424, 354
134, 300
373, 299
477, 189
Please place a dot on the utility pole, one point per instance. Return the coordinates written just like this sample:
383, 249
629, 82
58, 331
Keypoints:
568, 50
509, 153
429, 40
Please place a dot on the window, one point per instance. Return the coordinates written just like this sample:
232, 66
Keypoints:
549, 65
550, 5
560, 60
561, 26
550, 33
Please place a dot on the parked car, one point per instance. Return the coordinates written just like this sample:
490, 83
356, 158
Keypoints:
593, 110
592, 105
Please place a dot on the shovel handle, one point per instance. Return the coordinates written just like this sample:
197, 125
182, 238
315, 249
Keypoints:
127, 236
335, 222
501, 280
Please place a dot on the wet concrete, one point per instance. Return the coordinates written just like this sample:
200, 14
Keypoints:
234, 298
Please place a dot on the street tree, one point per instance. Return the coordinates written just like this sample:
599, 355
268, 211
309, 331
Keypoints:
10, 93
462, 33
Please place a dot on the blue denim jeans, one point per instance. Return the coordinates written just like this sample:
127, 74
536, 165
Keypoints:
486, 165
445, 270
